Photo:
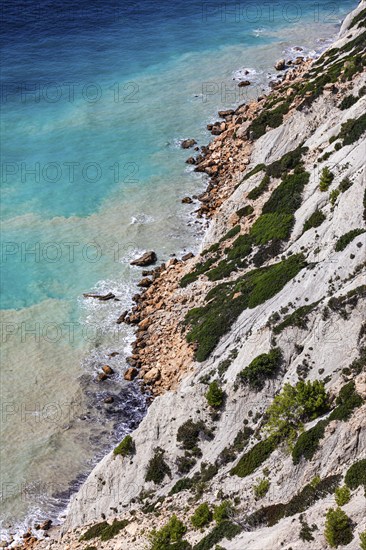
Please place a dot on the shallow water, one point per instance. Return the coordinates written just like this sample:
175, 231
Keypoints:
95, 102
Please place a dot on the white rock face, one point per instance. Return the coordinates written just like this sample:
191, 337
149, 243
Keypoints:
328, 344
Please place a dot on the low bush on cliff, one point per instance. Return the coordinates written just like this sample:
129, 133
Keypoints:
356, 475
315, 220
126, 447
308, 442
326, 179
347, 401
347, 238
170, 536
296, 405
299, 318
226, 301
245, 211
224, 530
342, 495
363, 540
287, 197
200, 269
270, 515
359, 19
352, 130
261, 368
268, 117
289, 161
157, 468
252, 459
105, 531
255, 193
338, 528
261, 488
254, 171
215, 395
272, 226
202, 516
189, 432
231, 233
229, 453
223, 511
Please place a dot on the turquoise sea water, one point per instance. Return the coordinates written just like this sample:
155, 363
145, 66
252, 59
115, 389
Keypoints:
95, 100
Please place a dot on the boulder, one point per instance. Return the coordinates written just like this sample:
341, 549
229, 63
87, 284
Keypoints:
146, 259
107, 369
102, 298
243, 83
187, 143
187, 256
46, 525
102, 376
130, 374
280, 65
108, 400
224, 114
152, 375
191, 160
187, 200
122, 317
145, 282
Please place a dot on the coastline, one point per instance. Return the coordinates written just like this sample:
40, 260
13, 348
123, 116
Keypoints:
159, 368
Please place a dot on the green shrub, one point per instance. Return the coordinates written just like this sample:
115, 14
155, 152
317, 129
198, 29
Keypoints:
202, 516
245, 211
347, 401
287, 162
306, 531
223, 530
298, 318
183, 484
254, 171
210, 322
170, 536
352, 130
356, 475
359, 19
342, 495
308, 442
229, 453
272, 226
315, 220
104, 530
261, 488
255, 193
253, 458
223, 511
126, 447
270, 515
347, 102
333, 196
185, 463
287, 197
157, 468
296, 405
347, 238
215, 395
363, 540
338, 529
261, 368
345, 184
112, 530
326, 179
231, 233
200, 269
94, 531
189, 432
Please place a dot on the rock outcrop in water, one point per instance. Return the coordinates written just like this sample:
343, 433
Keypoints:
256, 347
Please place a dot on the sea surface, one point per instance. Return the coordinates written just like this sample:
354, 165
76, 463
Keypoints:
95, 100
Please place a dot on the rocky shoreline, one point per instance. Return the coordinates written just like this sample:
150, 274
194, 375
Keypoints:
160, 354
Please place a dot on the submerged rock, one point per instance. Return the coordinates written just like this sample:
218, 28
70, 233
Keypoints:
187, 143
